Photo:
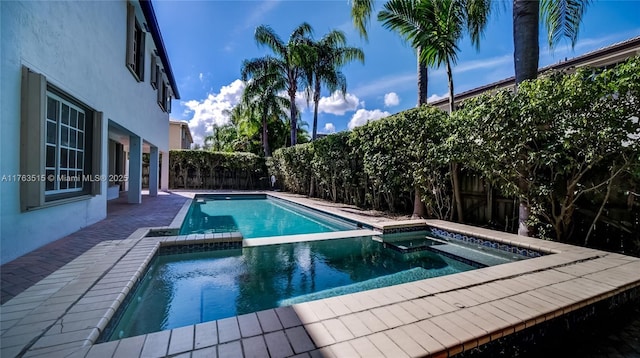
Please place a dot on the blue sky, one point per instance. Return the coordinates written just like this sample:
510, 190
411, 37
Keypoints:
208, 40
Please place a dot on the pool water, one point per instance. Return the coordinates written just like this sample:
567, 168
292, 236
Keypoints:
256, 216
185, 289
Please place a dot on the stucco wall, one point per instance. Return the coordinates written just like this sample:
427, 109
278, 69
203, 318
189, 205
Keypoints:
80, 47
175, 136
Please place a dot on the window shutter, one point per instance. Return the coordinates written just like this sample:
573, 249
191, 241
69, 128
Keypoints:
32, 137
154, 71
141, 52
131, 26
160, 83
169, 95
96, 153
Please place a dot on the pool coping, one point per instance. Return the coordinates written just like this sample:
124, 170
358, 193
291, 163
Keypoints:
64, 313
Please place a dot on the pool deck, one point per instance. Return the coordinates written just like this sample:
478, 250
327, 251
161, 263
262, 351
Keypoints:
63, 314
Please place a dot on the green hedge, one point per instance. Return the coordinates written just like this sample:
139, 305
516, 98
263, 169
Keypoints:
375, 166
558, 143
199, 169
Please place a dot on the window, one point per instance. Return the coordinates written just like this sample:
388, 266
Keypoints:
155, 68
65, 146
135, 44
164, 93
159, 82
59, 145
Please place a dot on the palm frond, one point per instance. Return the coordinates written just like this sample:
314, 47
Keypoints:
562, 18
266, 36
361, 14
477, 14
303, 31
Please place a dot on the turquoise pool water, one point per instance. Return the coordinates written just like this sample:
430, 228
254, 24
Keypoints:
185, 289
256, 216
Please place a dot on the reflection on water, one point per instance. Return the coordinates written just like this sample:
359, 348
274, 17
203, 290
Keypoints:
257, 218
184, 289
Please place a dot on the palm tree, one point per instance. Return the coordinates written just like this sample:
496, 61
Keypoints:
434, 28
361, 11
222, 139
289, 60
261, 95
330, 53
562, 18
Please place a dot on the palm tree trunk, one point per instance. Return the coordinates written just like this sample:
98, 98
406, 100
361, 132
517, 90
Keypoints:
419, 210
316, 100
423, 80
455, 179
265, 137
450, 79
294, 115
526, 17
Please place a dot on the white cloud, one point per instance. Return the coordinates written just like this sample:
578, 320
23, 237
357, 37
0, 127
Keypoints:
211, 110
362, 116
487, 63
301, 101
329, 128
435, 97
200, 76
256, 16
338, 104
402, 81
391, 99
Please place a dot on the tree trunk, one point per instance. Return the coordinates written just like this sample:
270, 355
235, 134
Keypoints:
265, 137
455, 179
419, 209
423, 80
526, 20
316, 100
312, 187
454, 166
523, 210
450, 79
293, 112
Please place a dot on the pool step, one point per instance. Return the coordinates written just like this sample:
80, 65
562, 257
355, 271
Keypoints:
479, 256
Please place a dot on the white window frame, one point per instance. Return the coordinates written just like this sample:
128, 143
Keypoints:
33, 130
74, 184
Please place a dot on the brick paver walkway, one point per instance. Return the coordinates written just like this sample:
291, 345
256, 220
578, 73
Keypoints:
121, 221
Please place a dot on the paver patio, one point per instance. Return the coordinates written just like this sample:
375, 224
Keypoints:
122, 220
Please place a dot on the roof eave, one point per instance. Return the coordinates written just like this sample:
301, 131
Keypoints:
152, 22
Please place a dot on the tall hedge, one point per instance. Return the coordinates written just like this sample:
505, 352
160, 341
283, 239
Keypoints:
376, 166
573, 138
200, 169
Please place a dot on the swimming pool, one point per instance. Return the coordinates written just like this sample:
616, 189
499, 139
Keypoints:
256, 216
185, 289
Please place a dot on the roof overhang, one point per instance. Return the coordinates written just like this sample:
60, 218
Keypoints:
152, 22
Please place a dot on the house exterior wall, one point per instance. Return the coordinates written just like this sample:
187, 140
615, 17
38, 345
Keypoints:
179, 135
81, 48
175, 136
